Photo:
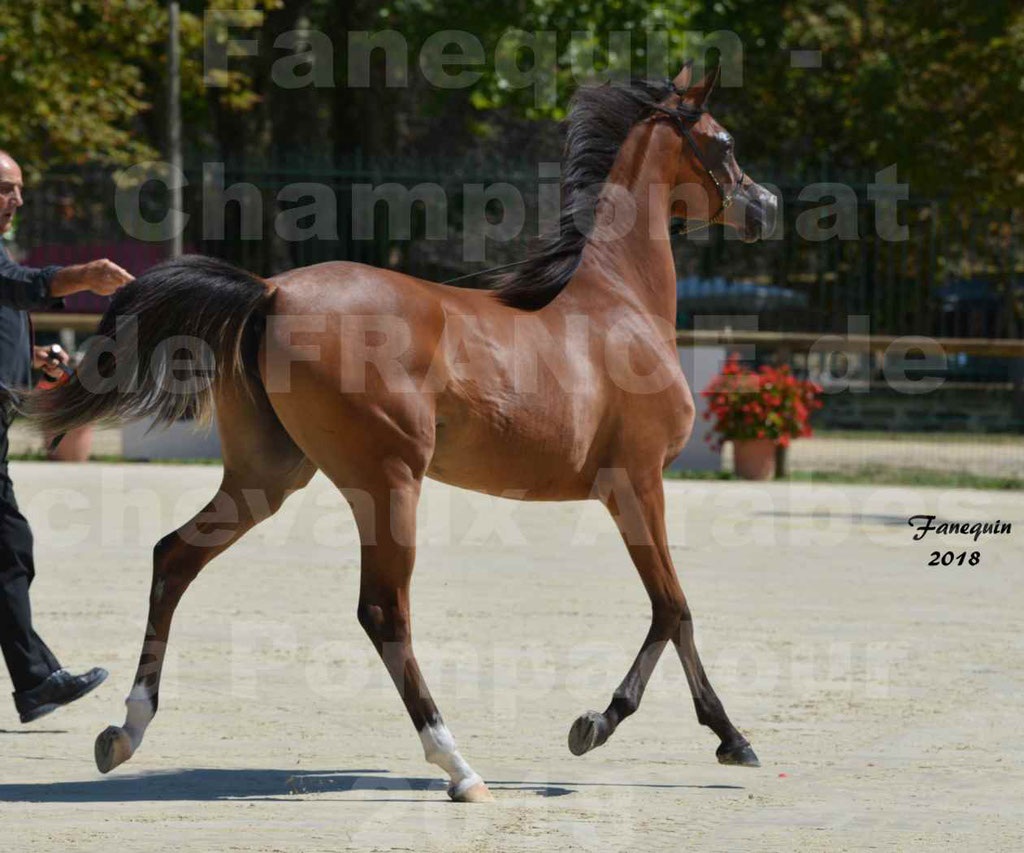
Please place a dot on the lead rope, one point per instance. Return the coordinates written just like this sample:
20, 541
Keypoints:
488, 270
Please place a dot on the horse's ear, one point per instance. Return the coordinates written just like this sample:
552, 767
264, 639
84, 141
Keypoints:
700, 93
684, 78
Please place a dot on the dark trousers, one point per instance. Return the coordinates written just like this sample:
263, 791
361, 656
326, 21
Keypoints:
29, 661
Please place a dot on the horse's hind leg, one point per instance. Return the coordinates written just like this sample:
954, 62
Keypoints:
638, 506
261, 466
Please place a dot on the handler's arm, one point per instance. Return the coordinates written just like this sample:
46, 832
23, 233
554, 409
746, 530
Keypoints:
27, 288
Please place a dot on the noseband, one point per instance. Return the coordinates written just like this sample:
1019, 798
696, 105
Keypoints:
684, 121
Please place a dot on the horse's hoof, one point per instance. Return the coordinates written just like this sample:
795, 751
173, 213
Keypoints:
474, 792
113, 747
588, 731
740, 754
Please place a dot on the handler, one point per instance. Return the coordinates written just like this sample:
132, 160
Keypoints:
41, 685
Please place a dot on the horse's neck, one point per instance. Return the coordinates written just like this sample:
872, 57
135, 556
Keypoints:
635, 262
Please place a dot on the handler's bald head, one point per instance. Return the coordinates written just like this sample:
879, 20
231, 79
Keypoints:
10, 190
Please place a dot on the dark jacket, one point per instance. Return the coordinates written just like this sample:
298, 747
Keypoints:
21, 289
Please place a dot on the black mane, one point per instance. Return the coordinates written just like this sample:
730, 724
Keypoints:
600, 118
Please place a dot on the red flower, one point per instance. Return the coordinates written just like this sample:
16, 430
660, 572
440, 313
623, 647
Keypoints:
768, 402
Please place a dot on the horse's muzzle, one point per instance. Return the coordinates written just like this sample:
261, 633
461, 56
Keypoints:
760, 213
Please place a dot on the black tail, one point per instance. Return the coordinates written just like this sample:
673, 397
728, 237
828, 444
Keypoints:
201, 306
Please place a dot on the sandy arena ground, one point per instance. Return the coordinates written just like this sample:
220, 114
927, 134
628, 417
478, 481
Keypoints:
1003, 457
882, 695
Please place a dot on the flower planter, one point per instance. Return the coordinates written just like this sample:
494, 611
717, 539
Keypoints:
754, 459
760, 412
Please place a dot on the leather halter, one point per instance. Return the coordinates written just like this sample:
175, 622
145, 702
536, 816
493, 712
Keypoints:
683, 121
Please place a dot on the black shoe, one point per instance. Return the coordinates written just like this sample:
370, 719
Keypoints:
59, 689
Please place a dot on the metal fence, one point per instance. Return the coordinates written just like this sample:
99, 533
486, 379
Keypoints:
958, 273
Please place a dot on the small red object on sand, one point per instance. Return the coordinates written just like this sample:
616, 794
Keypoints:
783, 775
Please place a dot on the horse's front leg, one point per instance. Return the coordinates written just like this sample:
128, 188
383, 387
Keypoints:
638, 506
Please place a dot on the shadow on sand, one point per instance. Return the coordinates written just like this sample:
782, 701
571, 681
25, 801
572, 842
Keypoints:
33, 731
257, 784
863, 518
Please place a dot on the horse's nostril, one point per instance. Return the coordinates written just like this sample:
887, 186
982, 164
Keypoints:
770, 217
757, 224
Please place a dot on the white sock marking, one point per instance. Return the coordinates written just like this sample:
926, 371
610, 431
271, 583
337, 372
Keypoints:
439, 748
140, 713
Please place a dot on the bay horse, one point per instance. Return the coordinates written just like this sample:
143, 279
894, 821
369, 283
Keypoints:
380, 379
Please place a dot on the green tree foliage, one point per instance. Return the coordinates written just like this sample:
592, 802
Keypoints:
934, 87
71, 78
537, 52
82, 81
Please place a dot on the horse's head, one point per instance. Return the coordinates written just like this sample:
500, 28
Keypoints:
708, 161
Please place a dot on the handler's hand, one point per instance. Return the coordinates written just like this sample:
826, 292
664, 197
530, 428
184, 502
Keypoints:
47, 360
102, 277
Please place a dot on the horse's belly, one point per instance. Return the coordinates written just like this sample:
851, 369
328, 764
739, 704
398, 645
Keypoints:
523, 482
549, 460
